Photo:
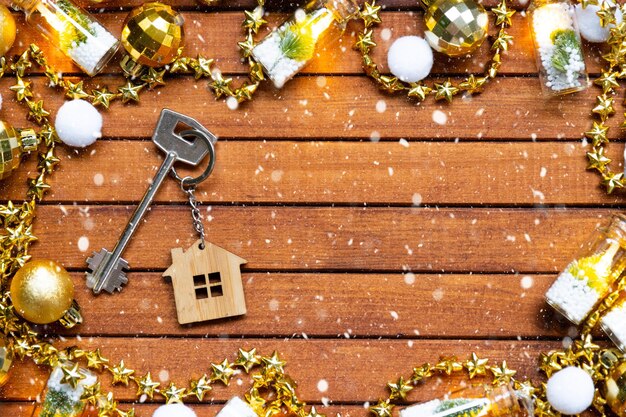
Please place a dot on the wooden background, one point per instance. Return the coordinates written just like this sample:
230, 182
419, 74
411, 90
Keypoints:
365, 258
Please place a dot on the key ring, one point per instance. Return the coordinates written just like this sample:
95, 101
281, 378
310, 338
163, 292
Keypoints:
190, 182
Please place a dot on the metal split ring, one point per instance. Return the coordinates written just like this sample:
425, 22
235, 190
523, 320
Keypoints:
190, 182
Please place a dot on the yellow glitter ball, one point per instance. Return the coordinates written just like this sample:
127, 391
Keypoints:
152, 34
455, 27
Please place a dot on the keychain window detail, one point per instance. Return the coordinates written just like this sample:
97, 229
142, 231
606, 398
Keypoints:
206, 285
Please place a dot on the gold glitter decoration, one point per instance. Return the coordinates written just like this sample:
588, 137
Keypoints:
153, 34
455, 27
473, 84
42, 291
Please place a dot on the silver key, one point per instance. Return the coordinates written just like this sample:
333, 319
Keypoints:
106, 269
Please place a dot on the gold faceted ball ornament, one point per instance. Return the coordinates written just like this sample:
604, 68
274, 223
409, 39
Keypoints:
7, 30
455, 27
6, 359
13, 143
615, 389
42, 291
153, 34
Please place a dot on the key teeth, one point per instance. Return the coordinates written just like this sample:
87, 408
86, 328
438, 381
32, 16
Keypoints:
117, 278
93, 262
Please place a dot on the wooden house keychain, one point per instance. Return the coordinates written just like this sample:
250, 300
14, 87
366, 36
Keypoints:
206, 278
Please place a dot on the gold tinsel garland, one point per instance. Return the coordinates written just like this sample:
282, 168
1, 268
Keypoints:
443, 90
604, 107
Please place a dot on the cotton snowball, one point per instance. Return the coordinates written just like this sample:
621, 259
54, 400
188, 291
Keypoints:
570, 390
589, 23
410, 58
174, 410
78, 123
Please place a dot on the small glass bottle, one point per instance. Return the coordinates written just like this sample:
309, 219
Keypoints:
589, 278
475, 401
615, 389
614, 322
285, 51
75, 32
61, 399
558, 48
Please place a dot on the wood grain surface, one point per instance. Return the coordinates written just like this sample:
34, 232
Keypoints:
375, 240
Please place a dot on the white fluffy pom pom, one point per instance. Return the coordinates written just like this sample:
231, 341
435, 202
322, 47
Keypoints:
570, 390
78, 123
410, 58
174, 410
589, 23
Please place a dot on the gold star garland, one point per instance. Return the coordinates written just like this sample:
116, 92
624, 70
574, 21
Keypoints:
604, 107
201, 67
474, 366
273, 391
16, 220
365, 44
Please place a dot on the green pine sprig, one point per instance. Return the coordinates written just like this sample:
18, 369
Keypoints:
297, 43
564, 40
70, 34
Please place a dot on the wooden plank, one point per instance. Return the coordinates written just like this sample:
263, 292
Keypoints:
337, 305
345, 108
336, 57
427, 173
343, 238
355, 370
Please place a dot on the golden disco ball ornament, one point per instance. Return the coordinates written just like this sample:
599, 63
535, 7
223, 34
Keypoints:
7, 30
43, 292
13, 143
152, 36
615, 389
455, 27
6, 359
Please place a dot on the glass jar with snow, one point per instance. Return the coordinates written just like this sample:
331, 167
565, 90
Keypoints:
475, 401
614, 322
74, 31
64, 390
285, 51
558, 48
587, 280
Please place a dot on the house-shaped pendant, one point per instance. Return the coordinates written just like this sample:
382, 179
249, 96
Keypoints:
207, 283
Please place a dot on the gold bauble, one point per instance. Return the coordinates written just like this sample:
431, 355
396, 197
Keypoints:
455, 27
10, 150
615, 389
152, 34
42, 291
7, 30
6, 359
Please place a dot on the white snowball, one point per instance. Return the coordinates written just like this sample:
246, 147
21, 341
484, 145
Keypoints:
174, 410
78, 123
570, 390
410, 58
589, 23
